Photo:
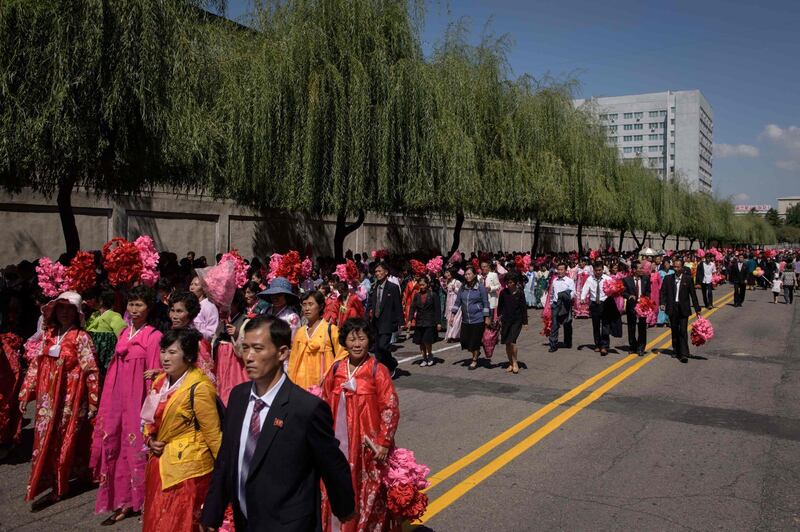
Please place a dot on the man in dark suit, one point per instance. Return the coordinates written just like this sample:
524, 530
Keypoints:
677, 292
277, 443
737, 274
386, 315
636, 286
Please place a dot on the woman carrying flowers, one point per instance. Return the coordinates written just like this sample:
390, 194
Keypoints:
366, 412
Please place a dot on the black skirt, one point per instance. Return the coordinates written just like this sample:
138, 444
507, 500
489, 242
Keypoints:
509, 332
424, 335
472, 335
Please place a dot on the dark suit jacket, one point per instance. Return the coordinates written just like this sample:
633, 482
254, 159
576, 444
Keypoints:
630, 290
687, 293
391, 308
295, 449
737, 273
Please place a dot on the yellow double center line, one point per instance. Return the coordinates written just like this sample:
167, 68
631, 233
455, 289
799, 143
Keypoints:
492, 467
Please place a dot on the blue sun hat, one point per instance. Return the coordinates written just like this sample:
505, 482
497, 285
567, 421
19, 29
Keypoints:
279, 285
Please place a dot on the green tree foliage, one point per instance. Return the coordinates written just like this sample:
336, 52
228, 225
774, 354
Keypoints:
793, 215
322, 106
102, 95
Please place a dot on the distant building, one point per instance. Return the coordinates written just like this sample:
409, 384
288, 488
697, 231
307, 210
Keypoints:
755, 209
784, 204
672, 132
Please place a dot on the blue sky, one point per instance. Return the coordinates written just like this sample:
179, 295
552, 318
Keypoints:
743, 55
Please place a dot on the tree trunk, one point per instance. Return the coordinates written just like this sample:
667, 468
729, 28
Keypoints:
342, 230
64, 200
677, 242
536, 231
457, 232
639, 243
580, 240
622, 240
691, 242
664, 240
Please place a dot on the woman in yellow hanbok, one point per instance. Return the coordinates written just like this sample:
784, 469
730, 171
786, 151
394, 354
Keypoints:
315, 346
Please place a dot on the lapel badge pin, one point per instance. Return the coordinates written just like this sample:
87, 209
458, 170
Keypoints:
278, 423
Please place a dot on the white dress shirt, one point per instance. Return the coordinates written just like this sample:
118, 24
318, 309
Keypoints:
268, 398
709, 269
590, 288
677, 286
561, 285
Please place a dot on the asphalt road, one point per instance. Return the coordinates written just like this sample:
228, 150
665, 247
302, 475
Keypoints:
576, 441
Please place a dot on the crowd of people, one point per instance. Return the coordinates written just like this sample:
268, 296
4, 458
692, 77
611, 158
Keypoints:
219, 395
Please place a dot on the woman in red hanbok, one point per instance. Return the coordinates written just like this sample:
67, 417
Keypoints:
408, 297
63, 379
582, 272
10, 382
350, 305
365, 410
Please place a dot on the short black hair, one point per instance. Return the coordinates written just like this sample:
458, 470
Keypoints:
189, 301
382, 264
107, 299
635, 264
356, 325
189, 340
317, 296
144, 294
279, 331
598, 264
252, 286
562, 263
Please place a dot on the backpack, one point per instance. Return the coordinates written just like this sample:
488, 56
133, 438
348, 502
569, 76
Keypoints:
220, 408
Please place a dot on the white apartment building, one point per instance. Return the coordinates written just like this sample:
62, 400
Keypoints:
672, 132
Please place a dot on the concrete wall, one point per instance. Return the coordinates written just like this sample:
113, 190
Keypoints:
30, 228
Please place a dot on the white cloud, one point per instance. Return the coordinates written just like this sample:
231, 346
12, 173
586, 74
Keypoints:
735, 150
791, 166
741, 198
788, 137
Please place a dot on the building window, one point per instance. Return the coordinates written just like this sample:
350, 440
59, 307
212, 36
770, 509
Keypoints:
654, 125
613, 116
654, 149
672, 121
627, 138
638, 115
653, 114
672, 134
653, 160
652, 137
663, 113
638, 150
612, 129
672, 145
627, 150
671, 156
627, 127
612, 140
627, 115
603, 117
638, 126
637, 137
673, 109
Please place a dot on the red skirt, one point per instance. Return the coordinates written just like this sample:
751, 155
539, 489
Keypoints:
176, 508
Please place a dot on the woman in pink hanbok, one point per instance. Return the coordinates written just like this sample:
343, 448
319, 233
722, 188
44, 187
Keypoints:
118, 460
452, 285
582, 272
229, 364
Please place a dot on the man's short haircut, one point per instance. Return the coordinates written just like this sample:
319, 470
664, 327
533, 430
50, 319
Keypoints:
279, 331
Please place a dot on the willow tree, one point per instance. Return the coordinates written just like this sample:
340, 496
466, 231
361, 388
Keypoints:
326, 111
639, 191
106, 96
472, 106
